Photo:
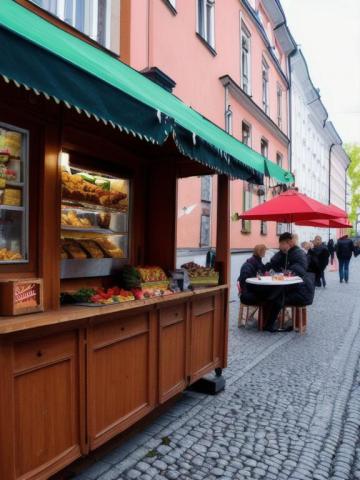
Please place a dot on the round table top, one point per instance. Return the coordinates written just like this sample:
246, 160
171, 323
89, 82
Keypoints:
272, 282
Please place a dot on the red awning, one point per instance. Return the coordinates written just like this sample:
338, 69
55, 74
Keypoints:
292, 206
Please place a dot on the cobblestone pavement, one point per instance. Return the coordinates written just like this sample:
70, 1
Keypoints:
291, 408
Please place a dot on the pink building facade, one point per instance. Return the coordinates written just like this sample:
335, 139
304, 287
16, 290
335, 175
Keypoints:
230, 63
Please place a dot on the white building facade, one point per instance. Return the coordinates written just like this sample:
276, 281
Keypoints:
318, 160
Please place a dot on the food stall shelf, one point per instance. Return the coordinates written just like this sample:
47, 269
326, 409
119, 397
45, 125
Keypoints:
101, 231
91, 267
80, 205
12, 208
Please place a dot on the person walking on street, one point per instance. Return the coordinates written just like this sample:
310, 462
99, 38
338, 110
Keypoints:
344, 251
331, 248
320, 255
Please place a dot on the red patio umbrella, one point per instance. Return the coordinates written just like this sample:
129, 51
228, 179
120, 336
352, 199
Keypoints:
289, 207
332, 223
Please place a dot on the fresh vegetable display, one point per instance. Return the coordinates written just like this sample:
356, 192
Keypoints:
101, 295
111, 295
130, 277
84, 294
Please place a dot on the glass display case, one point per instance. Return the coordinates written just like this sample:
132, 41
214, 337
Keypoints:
13, 195
94, 222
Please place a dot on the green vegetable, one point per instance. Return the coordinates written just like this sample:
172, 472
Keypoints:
83, 295
130, 277
87, 177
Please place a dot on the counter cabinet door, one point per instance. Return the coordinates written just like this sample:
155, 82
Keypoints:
206, 335
121, 375
172, 351
45, 425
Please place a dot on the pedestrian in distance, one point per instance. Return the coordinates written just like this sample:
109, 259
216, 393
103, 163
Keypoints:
320, 256
331, 248
345, 249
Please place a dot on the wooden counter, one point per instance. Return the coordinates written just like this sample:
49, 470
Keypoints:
72, 379
71, 313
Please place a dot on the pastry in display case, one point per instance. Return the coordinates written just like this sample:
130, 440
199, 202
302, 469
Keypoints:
13, 194
94, 222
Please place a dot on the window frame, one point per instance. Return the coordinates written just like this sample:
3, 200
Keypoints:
279, 156
202, 243
265, 141
205, 27
91, 19
247, 204
245, 33
247, 124
265, 69
208, 188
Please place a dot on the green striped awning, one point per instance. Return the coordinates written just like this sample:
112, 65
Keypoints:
40, 56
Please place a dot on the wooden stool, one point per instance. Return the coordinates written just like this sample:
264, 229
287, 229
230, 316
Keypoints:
246, 309
299, 318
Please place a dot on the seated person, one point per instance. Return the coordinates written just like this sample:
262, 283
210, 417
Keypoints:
250, 269
302, 294
289, 257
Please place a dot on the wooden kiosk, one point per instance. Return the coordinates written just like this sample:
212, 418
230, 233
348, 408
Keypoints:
73, 377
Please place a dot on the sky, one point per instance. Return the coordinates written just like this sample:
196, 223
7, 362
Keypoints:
328, 33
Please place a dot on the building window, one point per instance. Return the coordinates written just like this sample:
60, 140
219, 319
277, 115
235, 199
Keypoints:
245, 60
279, 159
91, 17
247, 204
263, 224
246, 134
206, 188
205, 231
282, 228
229, 120
265, 86
206, 20
263, 228
264, 148
279, 106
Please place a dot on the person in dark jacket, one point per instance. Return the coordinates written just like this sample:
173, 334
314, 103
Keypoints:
289, 258
320, 257
344, 251
302, 294
331, 248
250, 269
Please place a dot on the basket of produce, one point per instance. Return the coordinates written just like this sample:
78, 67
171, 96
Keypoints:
201, 276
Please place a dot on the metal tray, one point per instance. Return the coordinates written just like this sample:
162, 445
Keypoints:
91, 267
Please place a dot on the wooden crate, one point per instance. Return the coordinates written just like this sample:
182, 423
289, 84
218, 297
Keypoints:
21, 296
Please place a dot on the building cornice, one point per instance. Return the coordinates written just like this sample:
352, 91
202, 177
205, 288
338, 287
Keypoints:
248, 103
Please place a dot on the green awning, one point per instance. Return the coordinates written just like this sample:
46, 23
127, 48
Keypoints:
41, 56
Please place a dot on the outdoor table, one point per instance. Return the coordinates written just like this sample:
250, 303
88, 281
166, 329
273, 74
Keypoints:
269, 281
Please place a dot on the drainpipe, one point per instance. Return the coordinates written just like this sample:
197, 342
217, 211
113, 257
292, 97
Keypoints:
291, 54
346, 170
329, 193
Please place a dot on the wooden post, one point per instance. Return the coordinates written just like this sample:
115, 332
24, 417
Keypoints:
49, 237
223, 250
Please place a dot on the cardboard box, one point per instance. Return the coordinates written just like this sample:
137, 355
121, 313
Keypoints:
21, 296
